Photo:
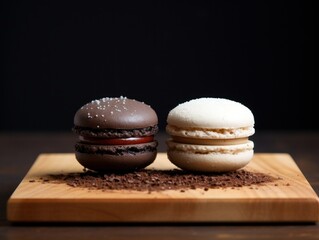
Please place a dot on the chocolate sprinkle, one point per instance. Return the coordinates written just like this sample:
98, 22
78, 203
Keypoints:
159, 180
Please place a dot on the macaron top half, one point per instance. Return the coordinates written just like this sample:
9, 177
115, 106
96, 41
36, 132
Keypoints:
210, 118
118, 117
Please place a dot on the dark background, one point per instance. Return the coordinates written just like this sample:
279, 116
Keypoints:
58, 56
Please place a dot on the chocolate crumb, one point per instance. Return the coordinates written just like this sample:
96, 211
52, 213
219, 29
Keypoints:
32, 180
160, 180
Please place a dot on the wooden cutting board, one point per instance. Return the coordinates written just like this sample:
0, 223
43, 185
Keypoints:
289, 199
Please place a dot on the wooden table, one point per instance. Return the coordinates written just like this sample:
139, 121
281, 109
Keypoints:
19, 150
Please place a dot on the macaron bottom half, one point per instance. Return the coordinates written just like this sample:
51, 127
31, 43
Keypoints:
110, 158
210, 158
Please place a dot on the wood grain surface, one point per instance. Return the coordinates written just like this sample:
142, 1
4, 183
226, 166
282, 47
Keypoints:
289, 199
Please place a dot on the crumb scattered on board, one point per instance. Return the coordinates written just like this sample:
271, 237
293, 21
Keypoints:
159, 180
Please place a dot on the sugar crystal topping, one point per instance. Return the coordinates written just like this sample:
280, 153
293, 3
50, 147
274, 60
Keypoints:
103, 104
109, 105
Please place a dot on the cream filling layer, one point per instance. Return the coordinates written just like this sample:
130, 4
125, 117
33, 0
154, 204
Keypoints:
221, 133
206, 149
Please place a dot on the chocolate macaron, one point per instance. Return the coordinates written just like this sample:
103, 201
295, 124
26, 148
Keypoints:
115, 134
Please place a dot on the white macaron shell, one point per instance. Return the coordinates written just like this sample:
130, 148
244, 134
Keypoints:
211, 162
211, 113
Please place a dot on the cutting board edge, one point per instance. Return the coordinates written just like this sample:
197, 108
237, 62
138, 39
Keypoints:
107, 211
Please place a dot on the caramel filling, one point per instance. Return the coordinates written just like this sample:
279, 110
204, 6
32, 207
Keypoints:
213, 142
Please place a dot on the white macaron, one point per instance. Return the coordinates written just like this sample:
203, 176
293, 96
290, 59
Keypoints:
210, 135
